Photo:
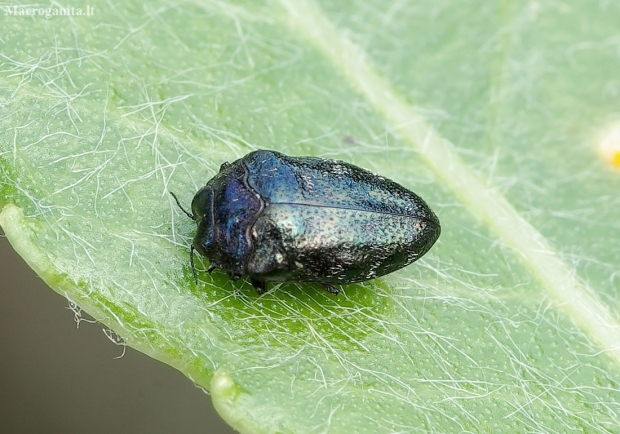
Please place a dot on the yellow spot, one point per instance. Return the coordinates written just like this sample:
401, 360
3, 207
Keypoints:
610, 145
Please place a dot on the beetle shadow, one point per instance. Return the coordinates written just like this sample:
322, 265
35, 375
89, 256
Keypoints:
303, 313
296, 314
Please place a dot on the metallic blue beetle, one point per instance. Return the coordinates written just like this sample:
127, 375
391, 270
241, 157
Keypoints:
279, 218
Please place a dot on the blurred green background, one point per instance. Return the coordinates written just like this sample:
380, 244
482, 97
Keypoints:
55, 378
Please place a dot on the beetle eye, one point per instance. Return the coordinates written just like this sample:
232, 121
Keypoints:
202, 204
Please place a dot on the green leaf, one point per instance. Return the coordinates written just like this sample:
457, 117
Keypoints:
496, 113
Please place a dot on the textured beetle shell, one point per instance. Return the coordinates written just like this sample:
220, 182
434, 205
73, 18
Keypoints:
280, 218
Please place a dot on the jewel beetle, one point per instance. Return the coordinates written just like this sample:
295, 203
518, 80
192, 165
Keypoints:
278, 218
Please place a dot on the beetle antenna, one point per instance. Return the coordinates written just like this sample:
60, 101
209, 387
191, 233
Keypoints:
191, 259
192, 216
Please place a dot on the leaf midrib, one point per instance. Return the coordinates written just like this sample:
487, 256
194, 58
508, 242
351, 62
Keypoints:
576, 299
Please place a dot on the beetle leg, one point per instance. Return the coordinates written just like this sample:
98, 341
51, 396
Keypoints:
331, 289
259, 286
233, 276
